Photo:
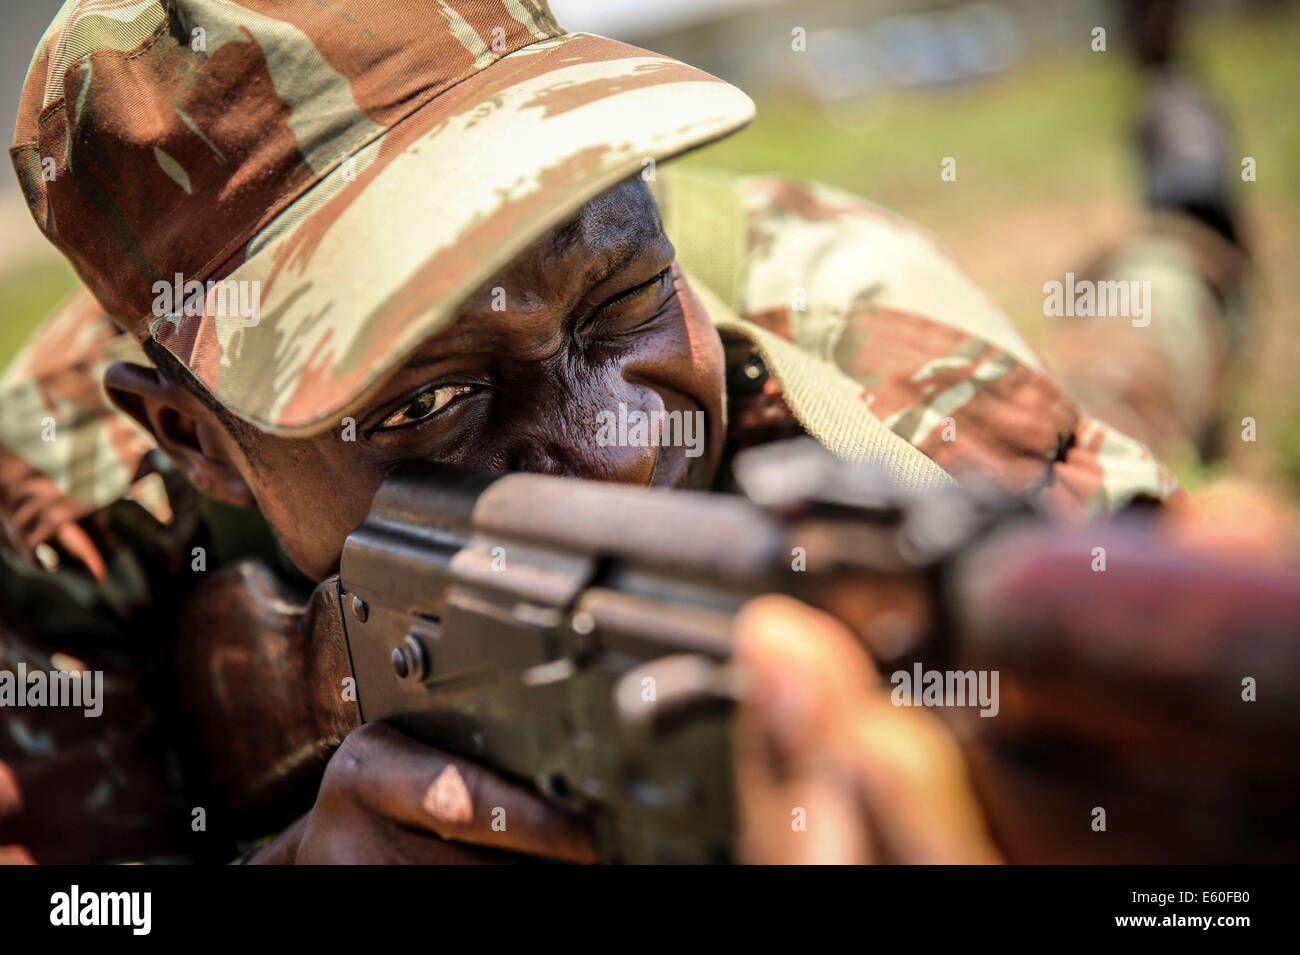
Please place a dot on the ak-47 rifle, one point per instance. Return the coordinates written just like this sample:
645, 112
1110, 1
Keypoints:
578, 635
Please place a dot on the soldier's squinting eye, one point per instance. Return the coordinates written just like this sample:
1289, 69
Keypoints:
637, 294
423, 406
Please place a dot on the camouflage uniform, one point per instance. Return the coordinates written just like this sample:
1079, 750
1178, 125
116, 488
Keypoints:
1164, 382
839, 319
881, 306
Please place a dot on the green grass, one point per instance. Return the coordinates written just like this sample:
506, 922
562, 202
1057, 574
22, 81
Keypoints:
1256, 71
1057, 127
28, 294
1026, 137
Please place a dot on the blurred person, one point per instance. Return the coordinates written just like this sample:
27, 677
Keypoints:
457, 258
1165, 381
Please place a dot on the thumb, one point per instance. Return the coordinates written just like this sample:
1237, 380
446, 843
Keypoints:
795, 795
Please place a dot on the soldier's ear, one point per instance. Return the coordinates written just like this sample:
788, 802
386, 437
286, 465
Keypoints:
187, 430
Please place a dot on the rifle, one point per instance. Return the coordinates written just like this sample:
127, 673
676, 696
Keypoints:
577, 635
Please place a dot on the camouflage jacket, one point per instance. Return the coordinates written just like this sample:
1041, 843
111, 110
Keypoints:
840, 320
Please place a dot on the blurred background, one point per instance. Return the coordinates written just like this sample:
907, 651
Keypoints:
1043, 125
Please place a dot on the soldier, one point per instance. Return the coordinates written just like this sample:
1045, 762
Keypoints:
439, 243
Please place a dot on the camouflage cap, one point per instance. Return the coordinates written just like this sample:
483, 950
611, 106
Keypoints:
336, 180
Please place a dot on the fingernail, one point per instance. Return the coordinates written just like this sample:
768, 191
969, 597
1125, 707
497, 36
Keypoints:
447, 799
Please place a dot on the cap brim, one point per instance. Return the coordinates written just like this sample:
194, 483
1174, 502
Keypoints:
380, 255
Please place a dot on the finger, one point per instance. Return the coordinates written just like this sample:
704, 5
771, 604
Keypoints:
73, 539
796, 797
1231, 519
914, 785
15, 855
11, 799
417, 786
356, 836
283, 848
773, 633
880, 782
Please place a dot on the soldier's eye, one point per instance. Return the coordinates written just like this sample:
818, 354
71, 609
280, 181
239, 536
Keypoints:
423, 406
639, 295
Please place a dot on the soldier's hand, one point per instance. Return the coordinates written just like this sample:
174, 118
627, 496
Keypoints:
828, 770
386, 799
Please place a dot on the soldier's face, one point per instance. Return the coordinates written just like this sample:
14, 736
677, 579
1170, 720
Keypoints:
593, 316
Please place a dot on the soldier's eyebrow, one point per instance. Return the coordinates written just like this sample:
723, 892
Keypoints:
423, 361
639, 257
619, 258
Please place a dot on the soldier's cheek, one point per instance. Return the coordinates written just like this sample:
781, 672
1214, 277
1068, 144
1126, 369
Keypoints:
313, 500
